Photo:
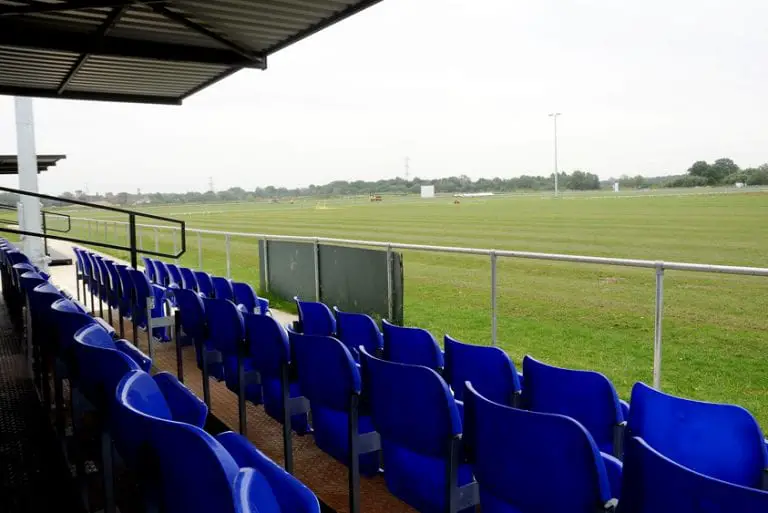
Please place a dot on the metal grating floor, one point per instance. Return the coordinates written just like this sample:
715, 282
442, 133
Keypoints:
33, 475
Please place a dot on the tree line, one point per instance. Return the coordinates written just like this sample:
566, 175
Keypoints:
721, 172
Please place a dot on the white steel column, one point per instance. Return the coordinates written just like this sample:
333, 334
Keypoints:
31, 219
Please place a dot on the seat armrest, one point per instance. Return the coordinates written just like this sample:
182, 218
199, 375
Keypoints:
134, 353
613, 467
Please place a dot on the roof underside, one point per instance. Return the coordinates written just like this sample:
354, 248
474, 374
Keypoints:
149, 51
9, 164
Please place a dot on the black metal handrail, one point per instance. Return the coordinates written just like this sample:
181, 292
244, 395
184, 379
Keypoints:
132, 248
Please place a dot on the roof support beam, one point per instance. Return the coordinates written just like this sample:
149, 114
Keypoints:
76, 95
27, 35
108, 24
180, 18
71, 5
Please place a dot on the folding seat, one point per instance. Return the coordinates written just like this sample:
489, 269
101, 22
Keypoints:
413, 346
270, 351
226, 334
113, 294
416, 416
79, 272
315, 318
722, 441
330, 380
149, 269
246, 296
125, 301
184, 469
162, 276
654, 483
174, 274
93, 278
222, 288
204, 284
355, 330
148, 296
188, 278
528, 462
490, 370
87, 275
586, 396
103, 283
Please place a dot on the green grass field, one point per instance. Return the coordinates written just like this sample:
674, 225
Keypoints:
581, 316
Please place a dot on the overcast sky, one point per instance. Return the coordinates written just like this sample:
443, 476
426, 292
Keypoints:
459, 86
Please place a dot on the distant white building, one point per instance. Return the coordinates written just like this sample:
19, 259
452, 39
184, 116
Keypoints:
739, 185
427, 191
615, 186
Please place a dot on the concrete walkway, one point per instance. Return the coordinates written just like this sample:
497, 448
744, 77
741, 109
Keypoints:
64, 276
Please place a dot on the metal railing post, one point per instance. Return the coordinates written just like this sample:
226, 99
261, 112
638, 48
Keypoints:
199, 251
266, 264
132, 243
493, 299
228, 256
317, 270
657, 325
390, 285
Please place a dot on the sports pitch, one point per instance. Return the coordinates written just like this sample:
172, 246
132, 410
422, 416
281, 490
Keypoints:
574, 315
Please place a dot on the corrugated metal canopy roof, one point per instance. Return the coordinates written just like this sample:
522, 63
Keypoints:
149, 51
9, 164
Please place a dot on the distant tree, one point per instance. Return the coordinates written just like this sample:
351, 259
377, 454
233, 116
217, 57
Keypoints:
581, 181
121, 198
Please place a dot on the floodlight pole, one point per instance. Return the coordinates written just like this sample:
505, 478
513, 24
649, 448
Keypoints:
30, 218
554, 116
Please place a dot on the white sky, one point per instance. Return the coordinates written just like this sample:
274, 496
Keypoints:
460, 86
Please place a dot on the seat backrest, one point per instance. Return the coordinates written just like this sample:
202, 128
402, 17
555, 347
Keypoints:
414, 346
192, 310
723, 441
149, 269
161, 273
188, 278
204, 283
490, 370
101, 366
328, 375
226, 328
411, 405
126, 285
68, 319
315, 318
653, 483
355, 330
174, 274
268, 344
114, 276
532, 462
586, 396
246, 296
195, 473
222, 288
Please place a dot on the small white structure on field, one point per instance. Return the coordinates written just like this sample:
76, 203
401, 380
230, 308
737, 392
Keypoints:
427, 191
615, 186
739, 185
473, 194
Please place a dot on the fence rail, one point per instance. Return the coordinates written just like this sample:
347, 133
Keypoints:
659, 266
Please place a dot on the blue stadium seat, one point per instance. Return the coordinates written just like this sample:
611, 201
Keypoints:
413, 346
269, 348
330, 380
162, 276
246, 296
113, 299
315, 318
143, 290
204, 284
222, 288
188, 278
174, 274
149, 269
490, 370
355, 330
527, 462
654, 483
586, 396
126, 291
290, 494
226, 332
415, 413
722, 441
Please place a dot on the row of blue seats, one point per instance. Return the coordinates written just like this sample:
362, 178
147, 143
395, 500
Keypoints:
154, 422
587, 397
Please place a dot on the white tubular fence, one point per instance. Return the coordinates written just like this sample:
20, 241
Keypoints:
657, 266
